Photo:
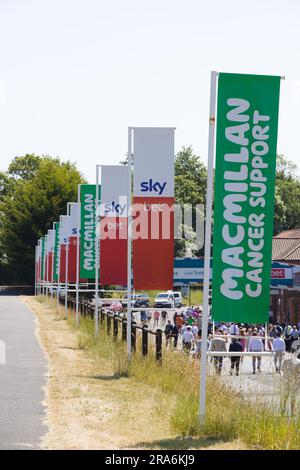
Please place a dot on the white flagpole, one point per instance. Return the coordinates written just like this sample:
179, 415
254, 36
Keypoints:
58, 275
209, 197
35, 268
59, 264
77, 258
52, 268
96, 315
46, 266
66, 278
129, 244
43, 267
67, 262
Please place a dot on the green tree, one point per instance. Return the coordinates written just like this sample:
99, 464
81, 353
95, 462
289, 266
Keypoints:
39, 195
287, 196
25, 167
190, 178
190, 188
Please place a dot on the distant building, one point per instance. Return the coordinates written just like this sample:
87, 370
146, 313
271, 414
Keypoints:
286, 247
285, 301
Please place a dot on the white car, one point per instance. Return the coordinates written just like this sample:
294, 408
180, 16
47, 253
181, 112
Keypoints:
177, 299
164, 300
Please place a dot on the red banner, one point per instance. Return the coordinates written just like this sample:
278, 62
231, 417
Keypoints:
72, 257
153, 214
113, 225
153, 243
38, 271
113, 251
72, 261
49, 267
62, 264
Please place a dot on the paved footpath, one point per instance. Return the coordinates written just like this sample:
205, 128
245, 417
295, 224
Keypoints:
22, 378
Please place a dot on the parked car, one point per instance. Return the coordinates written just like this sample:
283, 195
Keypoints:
138, 300
177, 299
164, 300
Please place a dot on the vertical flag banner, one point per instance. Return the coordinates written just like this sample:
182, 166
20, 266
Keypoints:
45, 259
50, 254
247, 121
63, 240
38, 262
74, 230
88, 230
42, 257
56, 252
153, 212
113, 225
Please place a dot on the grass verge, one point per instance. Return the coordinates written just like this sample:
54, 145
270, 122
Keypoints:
229, 415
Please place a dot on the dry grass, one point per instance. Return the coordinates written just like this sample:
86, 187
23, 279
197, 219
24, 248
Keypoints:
94, 401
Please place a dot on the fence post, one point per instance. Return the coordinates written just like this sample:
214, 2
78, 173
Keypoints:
133, 336
145, 340
102, 315
124, 330
108, 322
115, 328
158, 346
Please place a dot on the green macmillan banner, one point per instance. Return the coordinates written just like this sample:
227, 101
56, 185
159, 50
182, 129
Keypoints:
88, 230
56, 252
247, 121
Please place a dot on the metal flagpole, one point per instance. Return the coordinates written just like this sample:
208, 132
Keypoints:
77, 258
59, 261
67, 263
52, 264
129, 244
96, 317
43, 264
209, 196
35, 277
66, 278
46, 266
58, 277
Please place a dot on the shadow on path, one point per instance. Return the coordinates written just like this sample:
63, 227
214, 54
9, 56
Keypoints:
179, 443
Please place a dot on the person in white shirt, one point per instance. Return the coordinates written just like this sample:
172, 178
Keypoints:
223, 328
187, 338
255, 345
234, 330
278, 348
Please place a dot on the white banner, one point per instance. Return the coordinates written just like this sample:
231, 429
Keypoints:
39, 249
153, 162
64, 229
50, 241
74, 218
114, 184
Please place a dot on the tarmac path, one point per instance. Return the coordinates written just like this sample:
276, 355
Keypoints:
23, 370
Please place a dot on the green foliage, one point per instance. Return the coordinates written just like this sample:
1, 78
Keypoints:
24, 167
287, 196
36, 192
190, 188
190, 178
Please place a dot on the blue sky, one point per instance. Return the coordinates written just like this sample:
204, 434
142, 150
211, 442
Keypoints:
76, 73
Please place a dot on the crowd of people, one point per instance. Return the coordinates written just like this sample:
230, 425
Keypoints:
185, 331
233, 338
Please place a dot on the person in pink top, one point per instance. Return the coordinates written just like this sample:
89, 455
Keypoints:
156, 316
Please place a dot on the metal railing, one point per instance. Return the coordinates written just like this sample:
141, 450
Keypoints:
115, 323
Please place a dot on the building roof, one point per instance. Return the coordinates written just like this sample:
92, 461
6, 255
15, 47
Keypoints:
286, 246
295, 233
